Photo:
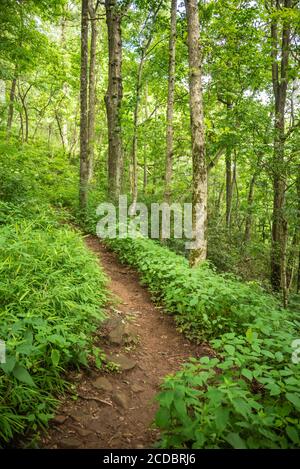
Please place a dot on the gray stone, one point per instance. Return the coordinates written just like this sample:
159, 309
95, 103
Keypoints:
124, 362
130, 335
116, 336
137, 388
112, 323
121, 399
79, 416
103, 384
84, 432
59, 419
69, 443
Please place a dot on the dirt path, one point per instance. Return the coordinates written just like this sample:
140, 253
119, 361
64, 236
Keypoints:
150, 349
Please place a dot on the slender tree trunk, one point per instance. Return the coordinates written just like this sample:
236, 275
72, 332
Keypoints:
170, 103
199, 221
144, 50
135, 134
21, 132
280, 83
229, 188
12, 96
229, 178
92, 93
145, 163
60, 129
249, 216
284, 281
113, 98
26, 122
298, 228
61, 121
83, 177
219, 200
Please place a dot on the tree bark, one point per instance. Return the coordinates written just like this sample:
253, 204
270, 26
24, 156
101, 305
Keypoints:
92, 92
135, 134
60, 129
298, 227
248, 225
170, 103
280, 82
113, 98
23, 97
83, 176
144, 50
229, 187
12, 96
199, 221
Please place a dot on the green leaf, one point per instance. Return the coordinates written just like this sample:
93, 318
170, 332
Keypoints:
274, 389
9, 365
241, 406
293, 434
235, 441
294, 399
22, 375
166, 398
55, 357
221, 418
194, 301
247, 373
162, 417
249, 335
229, 349
181, 409
204, 360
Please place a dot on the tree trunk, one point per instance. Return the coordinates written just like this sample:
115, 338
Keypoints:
170, 103
92, 92
83, 178
199, 221
298, 228
229, 188
280, 83
250, 198
145, 163
144, 50
135, 134
60, 129
113, 98
12, 96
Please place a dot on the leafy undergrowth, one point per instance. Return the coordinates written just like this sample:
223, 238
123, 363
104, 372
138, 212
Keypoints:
248, 395
51, 289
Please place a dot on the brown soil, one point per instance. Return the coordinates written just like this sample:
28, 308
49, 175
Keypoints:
124, 419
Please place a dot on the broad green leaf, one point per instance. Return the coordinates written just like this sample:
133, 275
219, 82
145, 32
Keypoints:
229, 349
22, 375
221, 418
235, 441
294, 399
55, 357
293, 434
9, 365
162, 417
247, 373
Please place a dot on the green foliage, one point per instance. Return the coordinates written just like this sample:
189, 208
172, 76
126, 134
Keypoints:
37, 173
249, 396
215, 403
51, 290
51, 293
205, 304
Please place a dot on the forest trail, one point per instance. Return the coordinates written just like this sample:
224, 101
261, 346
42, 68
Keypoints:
152, 349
